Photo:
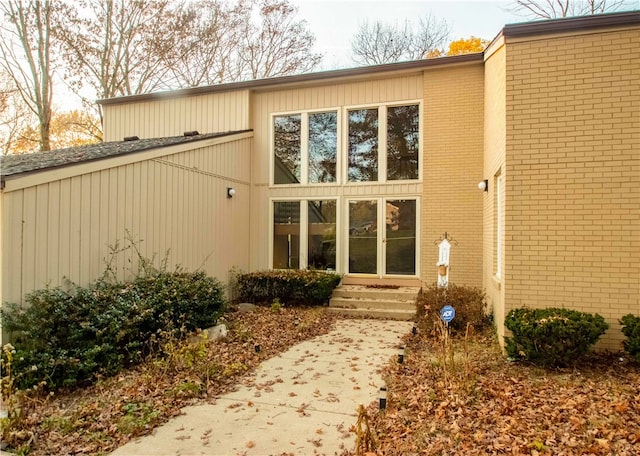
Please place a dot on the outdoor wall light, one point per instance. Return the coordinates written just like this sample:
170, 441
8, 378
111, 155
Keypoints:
401, 355
230, 192
484, 185
383, 398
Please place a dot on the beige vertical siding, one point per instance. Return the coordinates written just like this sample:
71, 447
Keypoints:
63, 227
573, 166
453, 143
494, 160
210, 113
327, 96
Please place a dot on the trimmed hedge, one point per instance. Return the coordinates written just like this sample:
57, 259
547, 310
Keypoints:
552, 336
631, 329
69, 336
291, 286
468, 302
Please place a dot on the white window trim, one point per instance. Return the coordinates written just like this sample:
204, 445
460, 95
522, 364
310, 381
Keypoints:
381, 201
499, 183
304, 147
382, 141
304, 227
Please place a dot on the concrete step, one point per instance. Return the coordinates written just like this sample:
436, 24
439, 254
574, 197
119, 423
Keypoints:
371, 303
384, 314
375, 302
364, 292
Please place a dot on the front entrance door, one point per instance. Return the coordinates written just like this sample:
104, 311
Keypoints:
382, 237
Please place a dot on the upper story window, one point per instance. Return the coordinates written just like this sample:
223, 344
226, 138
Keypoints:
363, 145
305, 148
382, 143
323, 147
403, 142
286, 145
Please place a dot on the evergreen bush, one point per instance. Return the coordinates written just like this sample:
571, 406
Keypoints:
631, 329
552, 336
72, 334
291, 286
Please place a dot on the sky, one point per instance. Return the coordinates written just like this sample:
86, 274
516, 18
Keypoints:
335, 22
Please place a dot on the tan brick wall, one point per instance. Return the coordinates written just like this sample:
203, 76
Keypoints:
453, 142
573, 167
494, 160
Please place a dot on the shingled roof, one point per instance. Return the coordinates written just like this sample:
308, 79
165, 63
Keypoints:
13, 165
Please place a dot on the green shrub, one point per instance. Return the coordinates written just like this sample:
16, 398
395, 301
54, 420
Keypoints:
291, 286
70, 335
468, 302
631, 329
552, 337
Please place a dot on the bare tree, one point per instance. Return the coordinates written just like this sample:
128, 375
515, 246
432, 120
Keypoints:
552, 9
14, 114
121, 47
278, 45
380, 43
206, 56
25, 48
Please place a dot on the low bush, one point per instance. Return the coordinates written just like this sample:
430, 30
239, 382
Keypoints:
291, 286
73, 334
552, 336
468, 302
631, 329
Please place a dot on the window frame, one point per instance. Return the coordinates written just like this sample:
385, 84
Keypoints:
303, 202
304, 146
382, 141
498, 223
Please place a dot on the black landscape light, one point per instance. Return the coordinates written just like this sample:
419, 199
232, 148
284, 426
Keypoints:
383, 398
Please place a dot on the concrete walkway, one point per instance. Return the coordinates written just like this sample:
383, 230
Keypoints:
301, 402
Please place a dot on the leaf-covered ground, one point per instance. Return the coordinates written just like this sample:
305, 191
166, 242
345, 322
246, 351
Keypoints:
100, 418
468, 400
482, 404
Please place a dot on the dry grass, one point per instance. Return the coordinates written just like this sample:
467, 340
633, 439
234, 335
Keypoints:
469, 400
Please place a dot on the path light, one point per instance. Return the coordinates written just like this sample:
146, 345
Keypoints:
414, 331
401, 355
257, 348
383, 398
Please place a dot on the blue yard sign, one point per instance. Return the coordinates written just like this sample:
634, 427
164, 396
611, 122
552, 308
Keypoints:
447, 313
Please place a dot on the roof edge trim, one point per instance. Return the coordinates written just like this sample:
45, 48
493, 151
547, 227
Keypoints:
571, 24
299, 78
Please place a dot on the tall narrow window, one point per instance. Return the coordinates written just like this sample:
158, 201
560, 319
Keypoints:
323, 146
322, 234
498, 223
400, 234
287, 142
403, 139
363, 145
286, 234
363, 237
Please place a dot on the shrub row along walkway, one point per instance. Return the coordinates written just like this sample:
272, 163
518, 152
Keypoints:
303, 401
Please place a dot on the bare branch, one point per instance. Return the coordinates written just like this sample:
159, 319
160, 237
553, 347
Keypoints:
553, 9
380, 43
25, 49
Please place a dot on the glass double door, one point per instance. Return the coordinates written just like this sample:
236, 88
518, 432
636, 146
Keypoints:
382, 237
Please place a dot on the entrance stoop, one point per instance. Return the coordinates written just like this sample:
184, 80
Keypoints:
375, 301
